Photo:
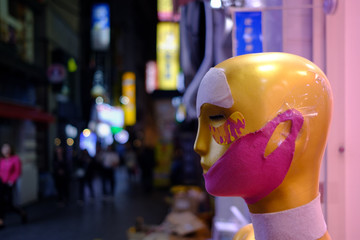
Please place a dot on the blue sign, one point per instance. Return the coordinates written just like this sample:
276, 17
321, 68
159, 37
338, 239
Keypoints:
248, 33
88, 142
100, 16
100, 26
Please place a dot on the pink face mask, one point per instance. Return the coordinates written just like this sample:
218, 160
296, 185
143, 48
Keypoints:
244, 170
230, 131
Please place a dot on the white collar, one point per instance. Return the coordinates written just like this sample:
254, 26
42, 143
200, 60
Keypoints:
302, 223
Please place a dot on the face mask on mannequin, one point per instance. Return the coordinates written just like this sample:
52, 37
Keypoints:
244, 170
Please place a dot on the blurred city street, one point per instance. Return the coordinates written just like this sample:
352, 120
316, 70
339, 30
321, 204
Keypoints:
178, 120
95, 220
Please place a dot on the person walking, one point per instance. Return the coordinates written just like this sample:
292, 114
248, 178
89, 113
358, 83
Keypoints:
111, 160
131, 161
147, 164
61, 176
10, 171
86, 174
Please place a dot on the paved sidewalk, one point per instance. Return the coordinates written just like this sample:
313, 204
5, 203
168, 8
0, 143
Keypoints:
96, 220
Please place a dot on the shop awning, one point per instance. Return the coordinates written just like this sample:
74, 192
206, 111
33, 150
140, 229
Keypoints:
17, 111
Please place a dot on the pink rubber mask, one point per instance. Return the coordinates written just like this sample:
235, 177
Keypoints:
244, 170
230, 131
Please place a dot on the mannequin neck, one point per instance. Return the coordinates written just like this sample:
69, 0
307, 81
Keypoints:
295, 191
302, 223
283, 199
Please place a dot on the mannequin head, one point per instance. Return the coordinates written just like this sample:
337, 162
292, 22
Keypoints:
252, 90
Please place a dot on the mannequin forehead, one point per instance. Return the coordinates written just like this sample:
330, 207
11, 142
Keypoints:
214, 89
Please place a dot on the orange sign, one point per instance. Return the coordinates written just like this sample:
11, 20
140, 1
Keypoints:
129, 98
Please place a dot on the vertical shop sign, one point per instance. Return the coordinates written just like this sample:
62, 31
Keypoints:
151, 81
129, 98
247, 35
100, 27
98, 88
168, 55
165, 10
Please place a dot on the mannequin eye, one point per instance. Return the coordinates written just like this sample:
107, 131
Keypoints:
216, 117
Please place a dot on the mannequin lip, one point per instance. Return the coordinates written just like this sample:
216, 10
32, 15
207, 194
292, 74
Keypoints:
205, 168
208, 168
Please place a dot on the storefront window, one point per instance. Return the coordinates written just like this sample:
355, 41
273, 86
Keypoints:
17, 29
23, 93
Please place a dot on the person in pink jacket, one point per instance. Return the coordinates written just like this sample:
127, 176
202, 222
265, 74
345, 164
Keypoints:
10, 171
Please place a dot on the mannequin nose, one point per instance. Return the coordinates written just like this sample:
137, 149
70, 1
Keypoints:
202, 142
200, 148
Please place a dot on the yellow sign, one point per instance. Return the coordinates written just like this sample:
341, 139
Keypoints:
72, 66
165, 10
129, 98
168, 43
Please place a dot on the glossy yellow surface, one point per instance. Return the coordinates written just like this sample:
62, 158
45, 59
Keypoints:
264, 85
245, 233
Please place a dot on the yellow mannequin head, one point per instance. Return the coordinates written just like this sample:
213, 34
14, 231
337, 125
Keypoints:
259, 87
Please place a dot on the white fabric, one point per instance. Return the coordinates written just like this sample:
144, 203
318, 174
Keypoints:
302, 223
215, 90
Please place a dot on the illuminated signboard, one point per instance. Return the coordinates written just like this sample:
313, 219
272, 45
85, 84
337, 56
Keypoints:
165, 11
128, 98
247, 33
168, 43
56, 73
151, 77
100, 26
113, 116
88, 141
122, 137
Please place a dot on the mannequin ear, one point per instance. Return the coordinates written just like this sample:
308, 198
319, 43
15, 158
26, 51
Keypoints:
279, 135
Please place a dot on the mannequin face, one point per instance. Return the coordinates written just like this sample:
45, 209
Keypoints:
205, 145
217, 119
253, 89
221, 108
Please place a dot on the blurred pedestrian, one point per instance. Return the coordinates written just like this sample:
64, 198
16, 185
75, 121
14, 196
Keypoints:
177, 167
61, 176
111, 160
147, 164
10, 171
99, 158
85, 173
130, 161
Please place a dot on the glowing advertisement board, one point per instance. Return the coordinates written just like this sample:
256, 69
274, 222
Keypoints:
165, 11
151, 80
113, 116
129, 98
247, 34
168, 45
88, 142
100, 26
